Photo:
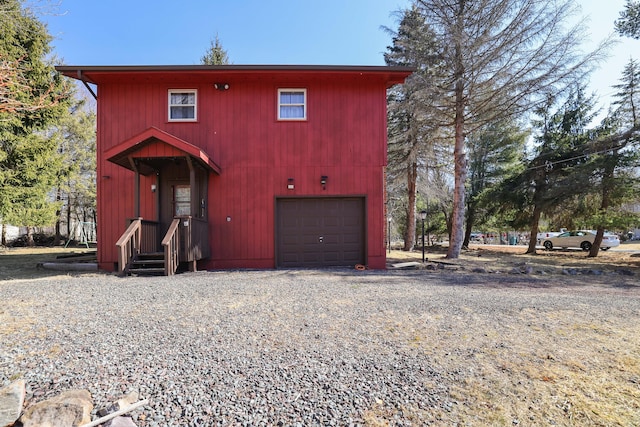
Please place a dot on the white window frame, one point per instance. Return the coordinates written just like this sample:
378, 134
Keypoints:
194, 105
304, 104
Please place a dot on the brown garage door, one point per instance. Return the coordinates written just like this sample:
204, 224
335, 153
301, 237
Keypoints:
322, 232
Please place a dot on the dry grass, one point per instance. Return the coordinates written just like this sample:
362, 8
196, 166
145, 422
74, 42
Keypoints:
22, 263
538, 366
504, 259
533, 367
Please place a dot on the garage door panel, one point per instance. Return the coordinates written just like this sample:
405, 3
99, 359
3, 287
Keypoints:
331, 222
290, 239
352, 222
330, 239
351, 238
312, 257
351, 255
301, 222
290, 258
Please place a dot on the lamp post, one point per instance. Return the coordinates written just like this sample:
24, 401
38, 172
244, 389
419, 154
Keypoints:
423, 216
389, 233
428, 235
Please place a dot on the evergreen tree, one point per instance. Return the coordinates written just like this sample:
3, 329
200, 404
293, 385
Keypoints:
216, 54
614, 159
495, 151
629, 22
76, 179
563, 139
552, 176
411, 128
627, 97
502, 57
28, 157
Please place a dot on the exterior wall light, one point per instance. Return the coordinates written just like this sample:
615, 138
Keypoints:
290, 185
323, 182
221, 86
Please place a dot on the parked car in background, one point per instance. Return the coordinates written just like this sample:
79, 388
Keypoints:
580, 239
541, 237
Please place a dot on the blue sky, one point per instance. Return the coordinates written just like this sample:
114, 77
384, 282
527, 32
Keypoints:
332, 32
117, 32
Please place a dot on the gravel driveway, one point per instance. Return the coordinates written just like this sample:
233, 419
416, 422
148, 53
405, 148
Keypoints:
312, 347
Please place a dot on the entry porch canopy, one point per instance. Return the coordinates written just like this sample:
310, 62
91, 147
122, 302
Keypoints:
145, 152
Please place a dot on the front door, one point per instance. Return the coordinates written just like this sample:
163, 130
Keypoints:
181, 199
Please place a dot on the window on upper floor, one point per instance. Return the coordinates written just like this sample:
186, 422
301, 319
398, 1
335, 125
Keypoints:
292, 104
183, 105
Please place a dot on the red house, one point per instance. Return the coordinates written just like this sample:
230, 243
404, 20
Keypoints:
236, 166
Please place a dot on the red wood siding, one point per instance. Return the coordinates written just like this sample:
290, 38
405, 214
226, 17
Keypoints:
159, 149
344, 138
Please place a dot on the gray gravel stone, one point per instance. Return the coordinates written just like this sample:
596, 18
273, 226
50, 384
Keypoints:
251, 348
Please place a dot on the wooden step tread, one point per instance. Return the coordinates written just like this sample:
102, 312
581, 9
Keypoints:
141, 271
148, 261
151, 255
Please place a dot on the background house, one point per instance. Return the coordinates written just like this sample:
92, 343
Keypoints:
263, 166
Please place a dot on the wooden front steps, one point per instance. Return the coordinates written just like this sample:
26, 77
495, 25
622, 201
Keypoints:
147, 264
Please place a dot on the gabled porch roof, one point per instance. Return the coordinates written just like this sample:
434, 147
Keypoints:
134, 153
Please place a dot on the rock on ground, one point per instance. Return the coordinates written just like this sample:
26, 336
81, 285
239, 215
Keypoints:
68, 409
11, 402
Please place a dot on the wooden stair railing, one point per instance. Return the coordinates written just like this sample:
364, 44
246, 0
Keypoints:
141, 237
137, 247
129, 245
171, 246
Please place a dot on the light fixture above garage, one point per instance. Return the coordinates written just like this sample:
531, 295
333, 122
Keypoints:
290, 185
221, 86
323, 182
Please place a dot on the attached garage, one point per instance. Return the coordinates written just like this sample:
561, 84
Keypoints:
320, 232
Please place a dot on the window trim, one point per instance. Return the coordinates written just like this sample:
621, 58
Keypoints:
195, 105
304, 104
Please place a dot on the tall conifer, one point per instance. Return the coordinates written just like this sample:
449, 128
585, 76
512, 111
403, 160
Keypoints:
34, 98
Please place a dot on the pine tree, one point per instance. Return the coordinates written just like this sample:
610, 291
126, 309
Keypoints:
76, 180
627, 97
411, 128
495, 151
553, 175
613, 158
629, 22
28, 157
502, 57
216, 54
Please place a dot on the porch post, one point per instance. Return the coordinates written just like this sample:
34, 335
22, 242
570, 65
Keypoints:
136, 190
194, 210
192, 185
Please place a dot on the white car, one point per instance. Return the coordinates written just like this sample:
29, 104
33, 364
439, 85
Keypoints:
580, 239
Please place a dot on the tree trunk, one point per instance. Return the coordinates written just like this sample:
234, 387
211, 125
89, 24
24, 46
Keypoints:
4, 234
410, 233
469, 225
30, 241
535, 222
69, 228
459, 155
607, 180
58, 237
447, 220
460, 169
